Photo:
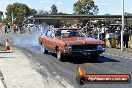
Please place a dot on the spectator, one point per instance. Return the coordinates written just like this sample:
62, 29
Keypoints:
95, 33
98, 29
126, 38
78, 26
8, 28
118, 39
15, 28
102, 33
21, 29
5, 28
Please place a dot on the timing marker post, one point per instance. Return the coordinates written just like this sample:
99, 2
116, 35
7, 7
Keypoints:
122, 25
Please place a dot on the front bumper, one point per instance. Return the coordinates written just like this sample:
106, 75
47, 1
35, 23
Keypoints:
84, 52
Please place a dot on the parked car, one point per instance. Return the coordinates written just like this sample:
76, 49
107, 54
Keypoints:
70, 41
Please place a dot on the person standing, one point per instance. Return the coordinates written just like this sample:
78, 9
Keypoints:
102, 33
8, 28
95, 32
98, 29
5, 28
21, 28
126, 38
15, 28
119, 39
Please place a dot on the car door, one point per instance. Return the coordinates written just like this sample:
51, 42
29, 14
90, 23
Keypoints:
52, 41
47, 39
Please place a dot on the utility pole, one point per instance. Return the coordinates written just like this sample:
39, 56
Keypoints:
122, 25
12, 17
98, 29
33, 23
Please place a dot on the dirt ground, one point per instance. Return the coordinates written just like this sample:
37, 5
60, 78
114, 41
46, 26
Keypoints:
2, 47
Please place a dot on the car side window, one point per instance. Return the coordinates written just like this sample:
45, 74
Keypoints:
58, 33
48, 34
52, 34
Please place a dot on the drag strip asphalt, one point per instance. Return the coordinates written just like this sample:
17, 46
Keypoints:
67, 70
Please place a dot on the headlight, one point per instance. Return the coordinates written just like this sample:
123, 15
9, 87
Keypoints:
69, 47
99, 47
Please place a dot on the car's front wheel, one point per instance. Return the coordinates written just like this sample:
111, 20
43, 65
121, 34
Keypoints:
44, 51
59, 55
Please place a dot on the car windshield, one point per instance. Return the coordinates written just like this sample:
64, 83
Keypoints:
69, 33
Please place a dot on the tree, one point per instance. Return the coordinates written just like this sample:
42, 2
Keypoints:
126, 13
19, 12
32, 11
54, 10
61, 13
107, 14
42, 12
85, 7
1, 15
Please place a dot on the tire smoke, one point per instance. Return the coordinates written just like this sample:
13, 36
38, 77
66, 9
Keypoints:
31, 35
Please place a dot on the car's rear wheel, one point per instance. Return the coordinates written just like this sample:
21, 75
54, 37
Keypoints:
59, 55
44, 51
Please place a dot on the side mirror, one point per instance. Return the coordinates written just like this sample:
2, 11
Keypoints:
52, 35
42, 34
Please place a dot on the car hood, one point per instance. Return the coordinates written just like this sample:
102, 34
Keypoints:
81, 40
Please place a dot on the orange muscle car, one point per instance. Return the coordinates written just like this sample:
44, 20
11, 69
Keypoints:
70, 41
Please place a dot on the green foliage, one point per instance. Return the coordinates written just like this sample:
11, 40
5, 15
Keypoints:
107, 14
54, 9
61, 13
1, 15
32, 11
126, 13
85, 7
5, 20
19, 11
43, 12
